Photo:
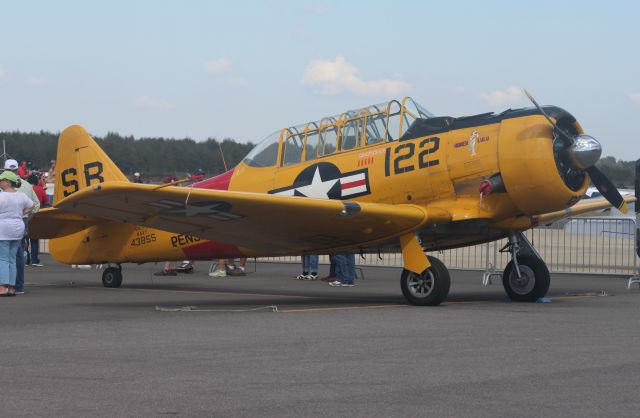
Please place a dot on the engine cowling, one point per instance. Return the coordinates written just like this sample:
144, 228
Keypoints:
535, 167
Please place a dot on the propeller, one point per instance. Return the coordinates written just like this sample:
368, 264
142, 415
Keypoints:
583, 152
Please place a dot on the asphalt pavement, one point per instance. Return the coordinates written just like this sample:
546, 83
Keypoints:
268, 345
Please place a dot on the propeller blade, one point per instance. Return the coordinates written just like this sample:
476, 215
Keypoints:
567, 139
607, 189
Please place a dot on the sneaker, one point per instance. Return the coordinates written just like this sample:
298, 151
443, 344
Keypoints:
166, 273
312, 276
300, 277
37, 265
218, 273
351, 284
20, 292
185, 268
336, 284
236, 272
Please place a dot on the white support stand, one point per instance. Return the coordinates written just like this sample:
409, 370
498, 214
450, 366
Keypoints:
491, 271
489, 274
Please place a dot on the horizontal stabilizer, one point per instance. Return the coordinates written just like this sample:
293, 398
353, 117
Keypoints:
55, 223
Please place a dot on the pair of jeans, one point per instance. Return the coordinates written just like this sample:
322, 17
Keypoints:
345, 267
35, 251
19, 266
8, 250
309, 263
332, 266
20, 257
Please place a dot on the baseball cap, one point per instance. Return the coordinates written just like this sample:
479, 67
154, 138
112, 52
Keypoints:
10, 164
8, 175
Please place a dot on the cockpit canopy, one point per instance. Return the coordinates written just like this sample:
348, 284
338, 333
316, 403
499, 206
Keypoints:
352, 129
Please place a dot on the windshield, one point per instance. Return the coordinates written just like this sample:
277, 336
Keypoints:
265, 154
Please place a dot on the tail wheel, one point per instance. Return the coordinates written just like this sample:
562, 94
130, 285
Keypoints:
533, 282
112, 277
429, 288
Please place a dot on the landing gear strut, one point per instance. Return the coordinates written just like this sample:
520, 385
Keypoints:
526, 278
112, 276
429, 288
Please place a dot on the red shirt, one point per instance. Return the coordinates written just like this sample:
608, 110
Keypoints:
42, 195
23, 172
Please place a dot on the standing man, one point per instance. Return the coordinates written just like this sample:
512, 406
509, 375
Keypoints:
345, 270
43, 199
26, 188
137, 178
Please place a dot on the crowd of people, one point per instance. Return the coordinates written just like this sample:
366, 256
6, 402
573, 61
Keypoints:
22, 196
342, 270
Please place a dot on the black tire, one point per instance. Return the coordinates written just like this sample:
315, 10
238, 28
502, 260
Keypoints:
534, 282
429, 288
112, 277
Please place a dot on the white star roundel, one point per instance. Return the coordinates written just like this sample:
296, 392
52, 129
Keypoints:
325, 181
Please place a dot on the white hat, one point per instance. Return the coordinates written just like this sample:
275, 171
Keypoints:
136, 174
10, 164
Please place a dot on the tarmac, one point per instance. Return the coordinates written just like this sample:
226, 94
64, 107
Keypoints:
266, 345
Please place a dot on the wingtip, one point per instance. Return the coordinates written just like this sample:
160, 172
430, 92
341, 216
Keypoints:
623, 207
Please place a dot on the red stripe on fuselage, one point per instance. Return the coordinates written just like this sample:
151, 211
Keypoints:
210, 250
219, 182
353, 184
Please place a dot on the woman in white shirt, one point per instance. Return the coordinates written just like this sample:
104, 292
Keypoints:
13, 206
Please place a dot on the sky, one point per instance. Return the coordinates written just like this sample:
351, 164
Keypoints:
244, 69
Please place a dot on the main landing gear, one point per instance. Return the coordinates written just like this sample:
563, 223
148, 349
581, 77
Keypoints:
112, 276
429, 288
526, 277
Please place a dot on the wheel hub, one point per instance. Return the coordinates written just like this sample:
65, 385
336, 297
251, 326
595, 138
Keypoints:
421, 286
525, 283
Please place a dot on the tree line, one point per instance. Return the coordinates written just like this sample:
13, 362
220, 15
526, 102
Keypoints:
156, 158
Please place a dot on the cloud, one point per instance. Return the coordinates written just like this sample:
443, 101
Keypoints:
335, 77
36, 81
146, 101
2, 73
635, 97
318, 8
237, 82
217, 66
512, 95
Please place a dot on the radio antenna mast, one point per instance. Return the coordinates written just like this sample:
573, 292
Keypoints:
222, 155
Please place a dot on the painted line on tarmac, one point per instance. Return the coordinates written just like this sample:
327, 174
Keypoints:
340, 308
552, 298
204, 292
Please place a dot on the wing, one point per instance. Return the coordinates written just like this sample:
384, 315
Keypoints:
583, 206
268, 223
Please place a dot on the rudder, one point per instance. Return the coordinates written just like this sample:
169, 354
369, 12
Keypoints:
81, 163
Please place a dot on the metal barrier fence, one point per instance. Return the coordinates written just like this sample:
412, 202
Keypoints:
586, 245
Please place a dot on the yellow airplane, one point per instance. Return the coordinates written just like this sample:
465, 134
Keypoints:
387, 177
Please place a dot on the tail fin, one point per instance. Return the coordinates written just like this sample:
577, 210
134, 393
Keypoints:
81, 163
